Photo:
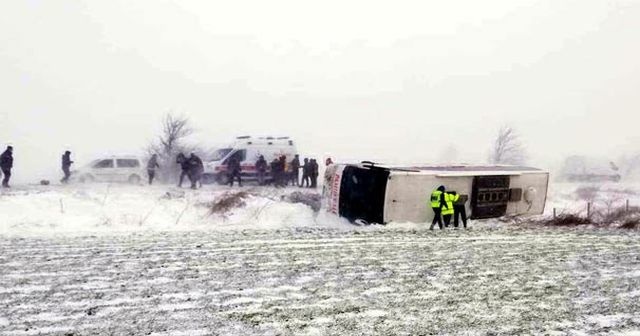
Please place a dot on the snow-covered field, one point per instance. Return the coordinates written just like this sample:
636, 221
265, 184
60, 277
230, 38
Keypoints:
113, 208
124, 260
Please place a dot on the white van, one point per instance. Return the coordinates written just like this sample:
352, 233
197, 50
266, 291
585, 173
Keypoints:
112, 169
248, 150
371, 193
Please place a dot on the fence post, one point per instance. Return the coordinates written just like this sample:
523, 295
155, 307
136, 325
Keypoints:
589, 210
627, 206
554, 213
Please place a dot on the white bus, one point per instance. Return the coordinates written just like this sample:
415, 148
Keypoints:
371, 193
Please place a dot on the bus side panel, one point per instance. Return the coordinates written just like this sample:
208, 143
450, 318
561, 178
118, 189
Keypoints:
408, 195
539, 182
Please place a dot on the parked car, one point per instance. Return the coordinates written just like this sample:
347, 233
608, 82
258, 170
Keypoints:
113, 169
248, 149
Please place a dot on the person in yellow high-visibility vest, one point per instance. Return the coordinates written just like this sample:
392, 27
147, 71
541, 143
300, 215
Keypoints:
447, 213
437, 203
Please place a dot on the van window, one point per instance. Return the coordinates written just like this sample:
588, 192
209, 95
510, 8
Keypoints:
104, 164
241, 155
220, 154
128, 163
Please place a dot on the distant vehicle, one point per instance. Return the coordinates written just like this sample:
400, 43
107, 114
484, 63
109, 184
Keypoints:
586, 169
112, 169
248, 150
369, 193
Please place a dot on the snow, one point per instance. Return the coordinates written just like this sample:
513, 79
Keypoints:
119, 259
568, 196
125, 209
112, 208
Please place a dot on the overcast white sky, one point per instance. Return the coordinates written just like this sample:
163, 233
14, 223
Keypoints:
382, 80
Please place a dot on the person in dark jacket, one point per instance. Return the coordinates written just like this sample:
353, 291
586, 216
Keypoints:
152, 165
182, 160
295, 171
234, 169
459, 210
196, 168
306, 176
66, 166
261, 169
275, 174
313, 170
6, 163
282, 169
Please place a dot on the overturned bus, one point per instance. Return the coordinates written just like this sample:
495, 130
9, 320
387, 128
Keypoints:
370, 193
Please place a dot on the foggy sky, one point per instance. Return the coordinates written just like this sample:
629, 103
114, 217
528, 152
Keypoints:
382, 80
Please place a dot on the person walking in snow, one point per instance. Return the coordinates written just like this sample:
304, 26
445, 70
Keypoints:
437, 203
66, 166
447, 211
196, 168
234, 169
306, 176
275, 172
313, 166
295, 170
6, 163
459, 210
182, 160
282, 169
152, 165
261, 169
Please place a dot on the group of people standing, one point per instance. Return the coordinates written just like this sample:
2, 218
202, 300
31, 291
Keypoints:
285, 172
282, 171
192, 168
445, 205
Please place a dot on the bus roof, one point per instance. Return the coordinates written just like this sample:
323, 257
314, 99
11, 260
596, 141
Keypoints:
457, 170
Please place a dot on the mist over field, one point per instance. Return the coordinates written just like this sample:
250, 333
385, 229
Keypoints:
402, 82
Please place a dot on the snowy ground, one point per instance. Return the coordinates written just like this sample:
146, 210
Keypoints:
122, 260
113, 208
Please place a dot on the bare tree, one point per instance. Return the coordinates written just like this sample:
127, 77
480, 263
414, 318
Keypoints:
508, 148
174, 130
170, 142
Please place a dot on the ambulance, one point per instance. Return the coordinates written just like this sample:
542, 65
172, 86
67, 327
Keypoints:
247, 149
372, 193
